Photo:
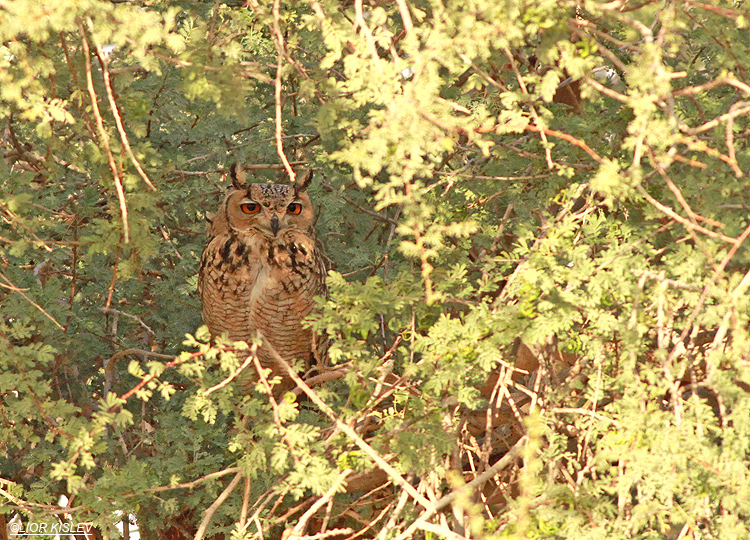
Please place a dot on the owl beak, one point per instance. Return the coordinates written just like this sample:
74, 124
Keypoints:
275, 224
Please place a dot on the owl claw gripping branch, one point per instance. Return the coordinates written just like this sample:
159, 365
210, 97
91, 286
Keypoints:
260, 271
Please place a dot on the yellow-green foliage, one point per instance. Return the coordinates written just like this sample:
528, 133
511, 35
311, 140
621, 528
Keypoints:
464, 207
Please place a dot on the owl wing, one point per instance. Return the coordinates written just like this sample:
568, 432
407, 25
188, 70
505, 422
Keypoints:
226, 283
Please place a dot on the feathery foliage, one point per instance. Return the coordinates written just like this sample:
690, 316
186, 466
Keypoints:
535, 215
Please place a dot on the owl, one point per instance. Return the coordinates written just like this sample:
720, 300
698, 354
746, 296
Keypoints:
261, 270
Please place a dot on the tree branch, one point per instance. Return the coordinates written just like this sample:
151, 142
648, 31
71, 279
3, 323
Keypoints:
215, 506
503, 462
103, 135
18, 290
348, 430
113, 106
279, 40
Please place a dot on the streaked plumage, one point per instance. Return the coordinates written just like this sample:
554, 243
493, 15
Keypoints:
260, 270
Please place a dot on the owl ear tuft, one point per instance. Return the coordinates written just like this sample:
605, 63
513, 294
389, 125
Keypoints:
238, 175
301, 186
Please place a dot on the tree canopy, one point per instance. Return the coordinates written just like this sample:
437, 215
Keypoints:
535, 218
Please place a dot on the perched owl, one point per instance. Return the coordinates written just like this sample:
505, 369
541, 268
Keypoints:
260, 270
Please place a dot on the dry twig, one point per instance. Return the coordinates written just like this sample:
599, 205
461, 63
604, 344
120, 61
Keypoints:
104, 137
348, 430
359, 22
279, 40
677, 217
113, 106
299, 528
9, 285
15, 219
704, 295
560, 135
216, 504
534, 115
359, 207
251, 357
438, 505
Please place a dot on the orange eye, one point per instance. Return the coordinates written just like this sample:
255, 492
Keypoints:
295, 208
250, 208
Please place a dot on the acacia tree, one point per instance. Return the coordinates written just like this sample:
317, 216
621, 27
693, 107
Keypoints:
535, 218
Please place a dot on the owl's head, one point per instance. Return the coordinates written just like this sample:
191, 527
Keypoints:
267, 208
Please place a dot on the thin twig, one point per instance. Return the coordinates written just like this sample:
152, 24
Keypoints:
731, 153
677, 217
442, 532
435, 507
704, 295
299, 528
18, 290
690, 161
585, 412
112, 283
188, 485
257, 166
560, 135
723, 11
100, 428
604, 50
323, 377
534, 115
470, 176
735, 110
349, 431
104, 137
33, 507
596, 85
110, 311
327, 534
279, 40
699, 89
694, 218
241, 69
721, 332
424, 255
177, 361
251, 357
681, 199
359, 22
701, 146
591, 27
260, 505
141, 352
245, 166
113, 106
668, 282
391, 523
271, 398
15, 218
372, 521
362, 209
215, 505
499, 390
